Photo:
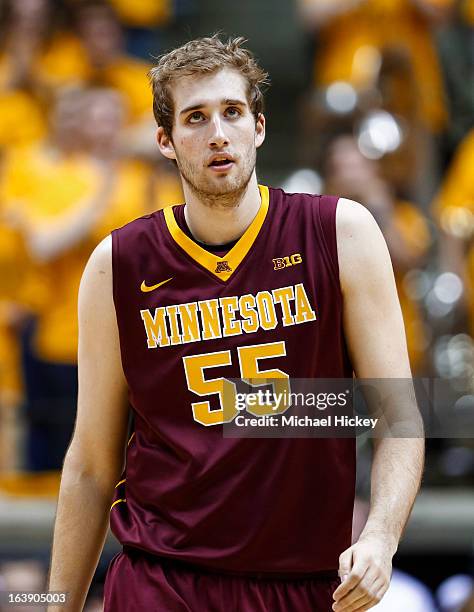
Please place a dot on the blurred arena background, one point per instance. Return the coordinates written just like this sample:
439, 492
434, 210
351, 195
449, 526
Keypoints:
370, 99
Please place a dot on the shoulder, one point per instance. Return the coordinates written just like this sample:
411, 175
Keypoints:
353, 219
294, 197
142, 228
362, 250
99, 266
305, 205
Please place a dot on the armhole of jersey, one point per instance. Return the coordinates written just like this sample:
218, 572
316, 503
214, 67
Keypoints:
115, 266
326, 218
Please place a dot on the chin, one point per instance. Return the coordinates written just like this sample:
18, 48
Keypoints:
223, 185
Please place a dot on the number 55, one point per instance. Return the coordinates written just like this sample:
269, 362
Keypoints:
248, 356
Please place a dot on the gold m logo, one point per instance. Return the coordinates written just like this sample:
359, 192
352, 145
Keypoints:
223, 266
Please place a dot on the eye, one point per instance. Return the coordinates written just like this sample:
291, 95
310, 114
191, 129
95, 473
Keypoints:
195, 117
232, 111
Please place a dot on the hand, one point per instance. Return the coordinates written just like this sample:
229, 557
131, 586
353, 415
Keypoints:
365, 569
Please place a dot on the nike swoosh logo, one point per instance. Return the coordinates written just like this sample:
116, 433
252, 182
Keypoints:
144, 287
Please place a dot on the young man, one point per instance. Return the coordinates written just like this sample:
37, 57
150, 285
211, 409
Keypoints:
174, 305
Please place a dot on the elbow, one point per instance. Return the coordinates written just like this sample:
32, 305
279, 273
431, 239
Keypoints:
81, 467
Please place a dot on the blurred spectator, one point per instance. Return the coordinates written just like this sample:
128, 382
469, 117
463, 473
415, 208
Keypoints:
349, 174
354, 35
24, 28
454, 210
39, 55
109, 66
66, 195
19, 291
380, 54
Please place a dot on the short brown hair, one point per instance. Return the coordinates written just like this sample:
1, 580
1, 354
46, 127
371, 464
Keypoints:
204, 56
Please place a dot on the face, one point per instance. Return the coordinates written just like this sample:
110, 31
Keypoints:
214, 136
100, 33
30, 15
102, 118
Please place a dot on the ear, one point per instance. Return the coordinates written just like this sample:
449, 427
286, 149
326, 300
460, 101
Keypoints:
260, 130
165, 143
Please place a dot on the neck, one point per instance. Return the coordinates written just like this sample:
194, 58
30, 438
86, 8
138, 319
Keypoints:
221, 219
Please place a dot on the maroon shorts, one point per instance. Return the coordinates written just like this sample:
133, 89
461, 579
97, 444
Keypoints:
138, 582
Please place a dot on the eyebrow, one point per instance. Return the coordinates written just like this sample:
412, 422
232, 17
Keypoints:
226, 102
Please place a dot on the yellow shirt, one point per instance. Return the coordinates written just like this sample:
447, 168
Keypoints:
351, 44
22, 121
144, 13
63, 62
44, 187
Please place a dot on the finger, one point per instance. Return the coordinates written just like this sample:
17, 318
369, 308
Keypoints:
345, 563
380, 592
366, 606
354, 577
351, 600
379, 588
345, 566
369, 585
375, 598
360, 602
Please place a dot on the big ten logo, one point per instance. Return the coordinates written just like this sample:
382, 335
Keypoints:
286, 262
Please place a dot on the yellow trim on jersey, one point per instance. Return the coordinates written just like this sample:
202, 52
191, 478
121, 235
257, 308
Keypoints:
131, 438
235, 256
117, 501
120, 482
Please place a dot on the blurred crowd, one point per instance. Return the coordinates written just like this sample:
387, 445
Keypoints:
387, 120
78, 158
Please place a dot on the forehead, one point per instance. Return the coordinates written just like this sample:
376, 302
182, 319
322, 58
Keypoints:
207, 89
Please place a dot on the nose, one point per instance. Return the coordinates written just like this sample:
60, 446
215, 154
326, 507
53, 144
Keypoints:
217, 136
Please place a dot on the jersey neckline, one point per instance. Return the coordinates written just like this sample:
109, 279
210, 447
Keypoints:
221, 267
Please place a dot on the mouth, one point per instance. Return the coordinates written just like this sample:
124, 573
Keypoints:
221, 163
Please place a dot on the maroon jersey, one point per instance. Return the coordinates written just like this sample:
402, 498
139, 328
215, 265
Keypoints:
190, 321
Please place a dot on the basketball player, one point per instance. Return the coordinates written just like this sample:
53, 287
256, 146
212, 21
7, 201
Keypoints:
242, 281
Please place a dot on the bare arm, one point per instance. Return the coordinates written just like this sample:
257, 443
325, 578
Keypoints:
375, 334
95, 457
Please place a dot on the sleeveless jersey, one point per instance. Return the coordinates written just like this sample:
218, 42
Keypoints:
188, 322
